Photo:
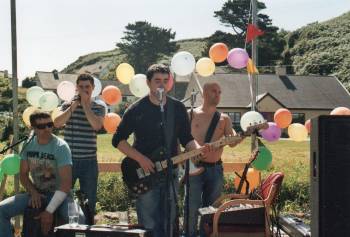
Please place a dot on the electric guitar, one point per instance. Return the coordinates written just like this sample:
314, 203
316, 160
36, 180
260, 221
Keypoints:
253, 157
139, 182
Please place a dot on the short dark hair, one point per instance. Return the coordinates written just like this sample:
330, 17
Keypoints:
156, 68
38, 114
85, 77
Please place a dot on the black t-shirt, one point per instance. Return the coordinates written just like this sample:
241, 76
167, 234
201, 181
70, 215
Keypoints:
143, 118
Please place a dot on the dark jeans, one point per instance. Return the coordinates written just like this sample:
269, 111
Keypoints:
205, 188
87, 173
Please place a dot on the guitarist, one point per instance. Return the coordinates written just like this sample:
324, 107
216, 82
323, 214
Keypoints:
143, 119
208, 125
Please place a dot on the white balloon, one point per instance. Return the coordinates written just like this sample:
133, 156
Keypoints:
33, 95
183, 63
98, 87
66, 90
138, 85
101, 102
48, 101
251, 118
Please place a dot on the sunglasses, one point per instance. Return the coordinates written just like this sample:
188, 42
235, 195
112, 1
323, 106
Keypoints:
44, 125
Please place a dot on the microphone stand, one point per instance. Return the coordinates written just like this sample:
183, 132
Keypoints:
187, 172
169, 172
3, 151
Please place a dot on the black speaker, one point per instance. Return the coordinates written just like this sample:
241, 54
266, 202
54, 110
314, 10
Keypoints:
330, 176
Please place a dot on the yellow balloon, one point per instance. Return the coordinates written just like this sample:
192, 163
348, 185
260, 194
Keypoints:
297, 132
55, 113
125, 73
26, 114
205, 67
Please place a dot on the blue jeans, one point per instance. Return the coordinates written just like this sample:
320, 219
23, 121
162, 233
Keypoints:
205, 188
15, 205
87, 173
151, 208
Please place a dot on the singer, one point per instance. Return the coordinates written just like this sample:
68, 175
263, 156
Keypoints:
143, 119
48, 160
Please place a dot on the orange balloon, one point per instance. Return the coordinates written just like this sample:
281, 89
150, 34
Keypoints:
111, 95
111, 122
308, 125
252, 177
218, 52
283, 118
341, 111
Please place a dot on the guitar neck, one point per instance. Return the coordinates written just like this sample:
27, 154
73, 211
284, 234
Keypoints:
197, 152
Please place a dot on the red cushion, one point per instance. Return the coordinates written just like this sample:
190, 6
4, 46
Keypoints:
275, 178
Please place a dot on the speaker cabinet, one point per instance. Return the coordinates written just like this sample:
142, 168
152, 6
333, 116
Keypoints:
330, 176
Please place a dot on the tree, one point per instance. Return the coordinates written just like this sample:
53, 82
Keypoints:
144, 44
28, 82
235, 14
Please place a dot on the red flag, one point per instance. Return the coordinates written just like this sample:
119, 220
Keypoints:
253, 32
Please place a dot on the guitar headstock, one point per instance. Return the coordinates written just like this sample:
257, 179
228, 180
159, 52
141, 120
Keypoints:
256, 127
254, 155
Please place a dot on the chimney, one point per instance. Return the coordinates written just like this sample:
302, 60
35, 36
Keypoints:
55, 74
280, 70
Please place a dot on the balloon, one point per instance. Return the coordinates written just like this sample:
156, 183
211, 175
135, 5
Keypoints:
272, 133
170, 84
297, 132
138, 85
1, 175
282, 117
253, 178
48, 101
237, 58
125, 73
263, 160
26, 115
251, 118
183, 63
205, 67
111, 95
101, 102
98, 87
111, 122
218, 52
55, 113
308, 125
33, 95
341, 111
66, 90
10, 164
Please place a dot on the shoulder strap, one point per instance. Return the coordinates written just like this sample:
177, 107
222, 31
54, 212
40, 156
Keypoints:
212, 126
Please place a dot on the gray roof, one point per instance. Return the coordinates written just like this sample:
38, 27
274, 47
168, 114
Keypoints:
47, 81
293, 92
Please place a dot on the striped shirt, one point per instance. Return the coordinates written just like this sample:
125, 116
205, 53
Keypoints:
79, 134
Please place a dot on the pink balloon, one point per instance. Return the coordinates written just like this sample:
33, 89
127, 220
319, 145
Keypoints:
170, 82
238, 58
308, 125
271, 134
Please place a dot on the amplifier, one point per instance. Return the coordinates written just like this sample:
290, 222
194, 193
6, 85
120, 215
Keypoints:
294, 226
100, 230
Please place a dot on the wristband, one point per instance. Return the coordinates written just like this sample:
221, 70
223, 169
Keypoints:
56, 201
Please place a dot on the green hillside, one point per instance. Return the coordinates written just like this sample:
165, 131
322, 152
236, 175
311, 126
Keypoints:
321, 48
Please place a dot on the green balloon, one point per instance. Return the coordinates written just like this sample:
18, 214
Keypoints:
263, 160
10, 164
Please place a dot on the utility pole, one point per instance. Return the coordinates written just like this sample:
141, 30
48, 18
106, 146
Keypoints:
14, 95
255, 61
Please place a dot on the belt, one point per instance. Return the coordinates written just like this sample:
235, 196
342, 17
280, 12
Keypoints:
207, 164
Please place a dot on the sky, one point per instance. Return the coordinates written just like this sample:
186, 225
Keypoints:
53, 33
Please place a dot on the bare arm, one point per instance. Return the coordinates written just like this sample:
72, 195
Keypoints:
64, 116
65, 173
229, 131
24, 178
131, 152
95, 121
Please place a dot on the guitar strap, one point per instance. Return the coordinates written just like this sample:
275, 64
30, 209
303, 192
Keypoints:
212, 126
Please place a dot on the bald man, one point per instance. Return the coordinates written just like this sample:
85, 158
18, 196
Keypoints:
207, 186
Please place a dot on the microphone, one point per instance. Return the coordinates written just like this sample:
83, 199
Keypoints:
160, 94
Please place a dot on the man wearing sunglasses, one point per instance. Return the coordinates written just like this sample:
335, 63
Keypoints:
82, 118
47, 158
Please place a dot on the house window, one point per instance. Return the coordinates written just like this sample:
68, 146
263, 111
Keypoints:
298, 118
236, 119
